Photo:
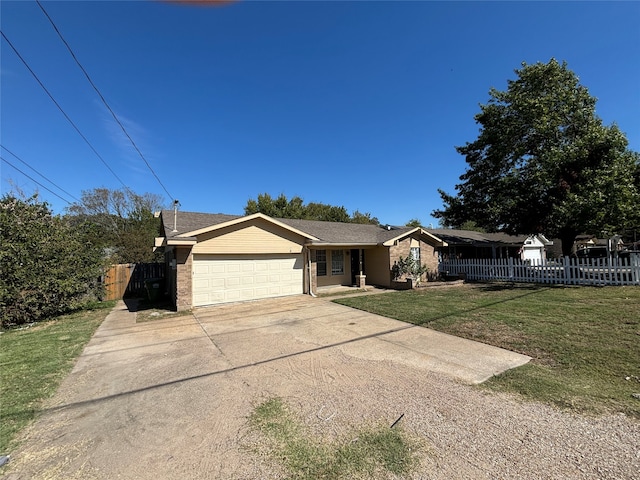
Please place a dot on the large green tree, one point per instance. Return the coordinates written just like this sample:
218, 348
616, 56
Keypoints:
47, 265
125, 222
545, 163
282, 207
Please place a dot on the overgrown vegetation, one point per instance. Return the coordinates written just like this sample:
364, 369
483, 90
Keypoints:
124, 223
583, 340
47, 266
364, 455
34, 360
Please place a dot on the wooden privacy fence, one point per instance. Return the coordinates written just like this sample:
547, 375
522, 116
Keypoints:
566, 271
128, 278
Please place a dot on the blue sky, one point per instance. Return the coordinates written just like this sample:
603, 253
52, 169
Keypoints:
359, 104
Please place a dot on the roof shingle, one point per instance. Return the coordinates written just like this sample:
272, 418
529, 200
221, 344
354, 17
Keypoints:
328, 232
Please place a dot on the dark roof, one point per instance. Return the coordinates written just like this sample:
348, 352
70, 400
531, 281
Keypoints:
327, 232
470, 237
345, 233
191, 221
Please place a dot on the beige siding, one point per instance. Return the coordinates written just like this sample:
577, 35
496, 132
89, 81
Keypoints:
257, 236
377, 266
330, 279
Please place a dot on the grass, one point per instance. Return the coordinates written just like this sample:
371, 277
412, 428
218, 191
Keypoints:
370, 450
584, 341
33, 362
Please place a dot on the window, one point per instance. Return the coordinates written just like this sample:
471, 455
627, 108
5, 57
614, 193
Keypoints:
415, 253
321, 262
337, 262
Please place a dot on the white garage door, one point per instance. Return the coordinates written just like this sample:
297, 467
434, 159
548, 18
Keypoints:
220, 278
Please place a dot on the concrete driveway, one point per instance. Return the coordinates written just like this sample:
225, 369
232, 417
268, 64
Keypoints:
257, 332
169, 398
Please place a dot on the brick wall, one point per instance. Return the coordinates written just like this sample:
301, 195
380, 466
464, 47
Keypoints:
428, 256
314, 272
184, 278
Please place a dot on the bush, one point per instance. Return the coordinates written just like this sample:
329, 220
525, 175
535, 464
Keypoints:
409, 268
47, 267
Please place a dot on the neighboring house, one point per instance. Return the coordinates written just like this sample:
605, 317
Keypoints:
590, 246
533, 249
467, 244
215, 258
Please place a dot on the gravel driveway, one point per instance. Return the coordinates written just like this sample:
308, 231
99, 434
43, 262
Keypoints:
170, 398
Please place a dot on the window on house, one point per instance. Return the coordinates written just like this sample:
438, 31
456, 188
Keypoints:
321, 263
415, 253
337, 262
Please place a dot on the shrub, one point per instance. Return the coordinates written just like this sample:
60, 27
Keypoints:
409, 268
47, 267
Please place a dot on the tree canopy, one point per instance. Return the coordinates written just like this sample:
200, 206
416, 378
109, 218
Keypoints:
125, 221
545, 163
282, 207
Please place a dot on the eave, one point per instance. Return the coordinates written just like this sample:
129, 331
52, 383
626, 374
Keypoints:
434, 240
341, 245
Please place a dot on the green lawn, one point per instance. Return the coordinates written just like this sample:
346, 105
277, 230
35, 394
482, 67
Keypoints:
33, 362
585, 341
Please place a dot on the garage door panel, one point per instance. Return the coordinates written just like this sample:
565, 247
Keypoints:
219, 279
199, 284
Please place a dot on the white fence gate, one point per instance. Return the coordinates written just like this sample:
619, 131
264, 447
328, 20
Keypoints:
566, 271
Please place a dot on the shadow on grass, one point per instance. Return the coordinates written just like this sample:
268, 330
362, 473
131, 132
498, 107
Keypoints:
499, 287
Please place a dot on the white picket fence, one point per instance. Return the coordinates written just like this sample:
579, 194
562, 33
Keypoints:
567, 271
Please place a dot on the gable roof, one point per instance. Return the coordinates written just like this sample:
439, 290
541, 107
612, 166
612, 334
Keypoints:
190, 224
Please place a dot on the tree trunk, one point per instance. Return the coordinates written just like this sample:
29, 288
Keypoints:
568, 237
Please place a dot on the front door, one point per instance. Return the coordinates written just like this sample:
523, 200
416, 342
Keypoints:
355, 264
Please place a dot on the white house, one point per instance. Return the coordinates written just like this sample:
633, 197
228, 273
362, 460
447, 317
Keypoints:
533, 249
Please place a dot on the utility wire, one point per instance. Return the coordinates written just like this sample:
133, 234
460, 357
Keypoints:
34, 180
115, 117
61, 110
51, 182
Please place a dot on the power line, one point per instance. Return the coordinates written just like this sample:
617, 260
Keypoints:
34, 180
115, 117
61, 110
51, 182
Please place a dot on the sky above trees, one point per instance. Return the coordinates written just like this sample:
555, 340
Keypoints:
355, 104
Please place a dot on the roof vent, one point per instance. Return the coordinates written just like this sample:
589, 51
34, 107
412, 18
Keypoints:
175, 215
